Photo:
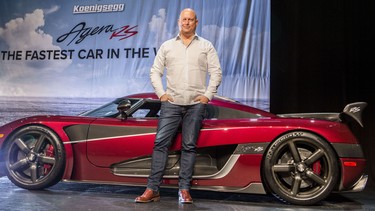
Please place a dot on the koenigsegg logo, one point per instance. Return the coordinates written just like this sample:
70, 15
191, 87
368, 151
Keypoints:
250, 149
98, 8
355, 110
258, 149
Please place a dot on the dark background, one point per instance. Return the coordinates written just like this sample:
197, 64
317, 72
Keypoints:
321, 60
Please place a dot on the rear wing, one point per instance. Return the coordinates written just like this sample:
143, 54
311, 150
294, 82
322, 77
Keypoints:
352, 112
355, 111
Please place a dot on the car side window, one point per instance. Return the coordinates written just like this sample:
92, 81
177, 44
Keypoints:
218, 112
147, 110
151, 109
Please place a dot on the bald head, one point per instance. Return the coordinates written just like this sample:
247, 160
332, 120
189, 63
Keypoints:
188, 10
188, 23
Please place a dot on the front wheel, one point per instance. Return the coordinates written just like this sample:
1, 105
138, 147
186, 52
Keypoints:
300, 168
34, 158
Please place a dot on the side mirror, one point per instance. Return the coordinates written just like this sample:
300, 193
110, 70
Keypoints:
122, 107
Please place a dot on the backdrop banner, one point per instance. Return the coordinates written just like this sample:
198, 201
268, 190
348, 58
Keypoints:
86, 49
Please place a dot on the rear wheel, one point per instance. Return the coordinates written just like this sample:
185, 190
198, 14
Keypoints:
34, 158
300, 168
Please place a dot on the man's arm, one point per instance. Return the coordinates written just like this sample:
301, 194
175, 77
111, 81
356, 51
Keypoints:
214, 70
156, 73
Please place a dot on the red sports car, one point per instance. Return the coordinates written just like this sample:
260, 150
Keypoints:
299, 158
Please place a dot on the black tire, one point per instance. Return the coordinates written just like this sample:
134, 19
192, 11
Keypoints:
300, 168
34, 158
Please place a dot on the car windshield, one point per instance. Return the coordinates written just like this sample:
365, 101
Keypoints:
107, 110
140, 108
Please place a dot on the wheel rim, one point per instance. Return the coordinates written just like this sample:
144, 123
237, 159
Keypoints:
302, 168
31, 157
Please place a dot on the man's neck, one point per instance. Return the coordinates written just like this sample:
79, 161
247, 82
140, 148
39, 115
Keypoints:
187, 38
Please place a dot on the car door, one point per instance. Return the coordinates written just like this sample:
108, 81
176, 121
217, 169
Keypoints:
114, 140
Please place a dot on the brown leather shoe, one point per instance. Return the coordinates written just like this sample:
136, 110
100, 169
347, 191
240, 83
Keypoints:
184, 197
148, 196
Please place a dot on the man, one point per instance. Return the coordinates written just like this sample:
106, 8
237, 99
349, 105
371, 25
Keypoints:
187, 59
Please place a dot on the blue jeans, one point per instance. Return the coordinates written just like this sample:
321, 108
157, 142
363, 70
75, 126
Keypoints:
171, 117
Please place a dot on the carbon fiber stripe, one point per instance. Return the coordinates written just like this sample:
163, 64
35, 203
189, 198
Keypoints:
348, 150
78, 133
102, 131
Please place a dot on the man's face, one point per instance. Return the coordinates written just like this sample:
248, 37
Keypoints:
188, 22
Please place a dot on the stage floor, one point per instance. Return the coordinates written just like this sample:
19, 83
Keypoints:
78, 196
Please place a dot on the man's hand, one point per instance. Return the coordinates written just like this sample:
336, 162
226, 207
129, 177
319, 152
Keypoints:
166, 97
202, 99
